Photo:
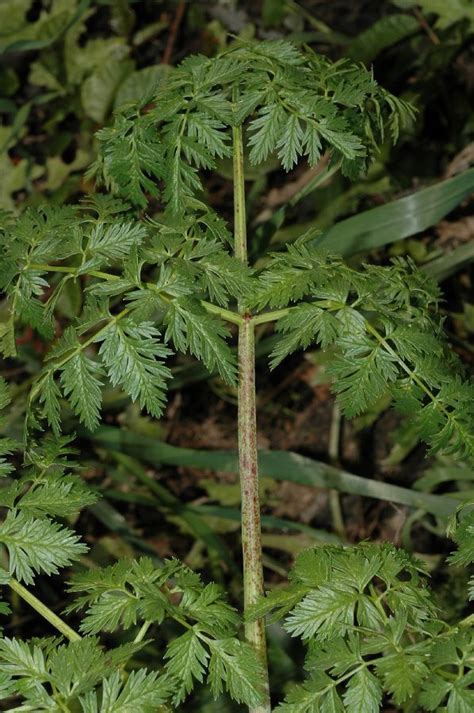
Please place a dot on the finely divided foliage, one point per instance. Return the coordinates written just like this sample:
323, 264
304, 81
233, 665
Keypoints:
293, 103
371, 626
80, 675
158, 275
168, 282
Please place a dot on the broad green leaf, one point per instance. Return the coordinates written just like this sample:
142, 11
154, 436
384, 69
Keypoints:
441, 268
58, 171
268, 521
13, 15
45, 31
14, 177
383, 33
448, 11
41, 76
142, 83
398, 219
98, 90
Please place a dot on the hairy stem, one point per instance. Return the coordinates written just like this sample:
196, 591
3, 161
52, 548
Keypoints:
240, 224
44, 611
247, 427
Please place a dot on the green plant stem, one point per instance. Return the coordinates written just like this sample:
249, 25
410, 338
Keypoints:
44, 611
270, 316
240, 222
333, 452
247, 427
225, 314
70, 270
275, 315
142, 633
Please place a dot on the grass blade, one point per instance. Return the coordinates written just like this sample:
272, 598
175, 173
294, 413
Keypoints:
398, 219
279, 465
443, 267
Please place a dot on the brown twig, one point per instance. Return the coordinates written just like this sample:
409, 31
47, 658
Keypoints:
425, 25
173, 33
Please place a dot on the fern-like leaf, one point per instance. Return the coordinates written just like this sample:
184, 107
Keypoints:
133, 357
233, 665
190, 328
187, 659
81, 384
37, 545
